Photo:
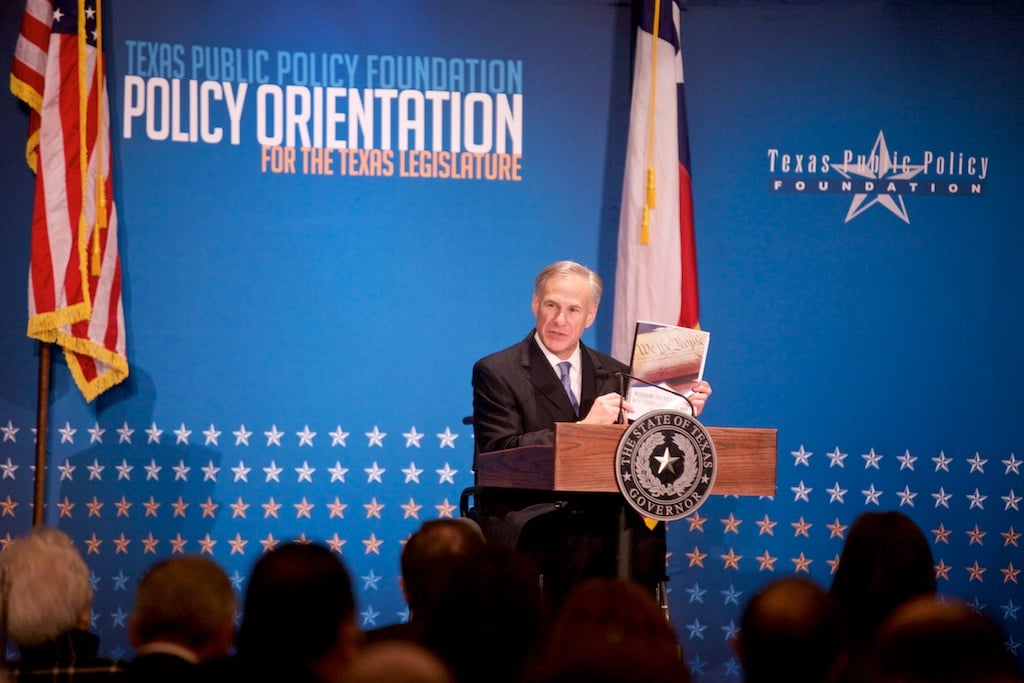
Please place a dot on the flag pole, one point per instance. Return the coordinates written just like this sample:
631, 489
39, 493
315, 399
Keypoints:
42, 418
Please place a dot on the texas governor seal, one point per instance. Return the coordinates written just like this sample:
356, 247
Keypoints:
665, 464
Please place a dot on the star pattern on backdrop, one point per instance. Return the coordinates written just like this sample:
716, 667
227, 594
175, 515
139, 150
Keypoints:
234, 492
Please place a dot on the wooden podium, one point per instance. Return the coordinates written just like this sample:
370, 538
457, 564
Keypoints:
582, 460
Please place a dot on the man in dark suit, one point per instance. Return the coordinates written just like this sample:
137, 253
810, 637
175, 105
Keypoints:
184, 614
518, 395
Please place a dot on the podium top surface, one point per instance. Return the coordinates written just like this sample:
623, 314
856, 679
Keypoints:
582, 459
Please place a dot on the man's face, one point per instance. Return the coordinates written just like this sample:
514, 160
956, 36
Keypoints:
563, 310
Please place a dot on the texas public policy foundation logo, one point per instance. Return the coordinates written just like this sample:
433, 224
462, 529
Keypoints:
665, 464
881, 177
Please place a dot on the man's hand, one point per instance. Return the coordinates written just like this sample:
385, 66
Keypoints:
701, 392
606, 410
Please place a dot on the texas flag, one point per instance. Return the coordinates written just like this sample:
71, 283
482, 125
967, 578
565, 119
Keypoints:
656, 271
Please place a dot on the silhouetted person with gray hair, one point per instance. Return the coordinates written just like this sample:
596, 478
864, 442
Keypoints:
47, 604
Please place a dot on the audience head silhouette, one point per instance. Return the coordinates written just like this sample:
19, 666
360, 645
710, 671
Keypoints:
886, 560
488, 620
48, 592
791, 630
299, 614
610, 630
928, 640
431, 553
186, 601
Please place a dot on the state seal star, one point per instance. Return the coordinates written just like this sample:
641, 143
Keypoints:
665, 460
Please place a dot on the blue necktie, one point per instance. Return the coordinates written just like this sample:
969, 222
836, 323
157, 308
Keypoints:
564, 368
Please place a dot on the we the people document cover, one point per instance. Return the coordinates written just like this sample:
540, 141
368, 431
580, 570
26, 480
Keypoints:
667, 362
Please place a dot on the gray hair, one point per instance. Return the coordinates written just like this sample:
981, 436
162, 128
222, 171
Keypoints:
47, 584
563, 268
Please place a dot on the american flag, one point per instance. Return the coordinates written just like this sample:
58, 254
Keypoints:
656, 270
75, 270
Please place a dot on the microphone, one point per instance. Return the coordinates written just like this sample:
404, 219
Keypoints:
625, 375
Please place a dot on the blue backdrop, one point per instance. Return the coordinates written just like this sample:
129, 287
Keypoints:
301, 343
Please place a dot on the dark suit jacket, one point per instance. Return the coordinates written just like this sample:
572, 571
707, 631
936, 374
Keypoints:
518, 396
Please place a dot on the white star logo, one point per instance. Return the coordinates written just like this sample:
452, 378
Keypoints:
9, 431
9, 469
447, 474
124, 470
241, 472
66, 470
305, 437
95, 470
801, 457
182, 434
942, 498
124, 433
976, 499
373, 473
376, 437
273, 471
412, 473
836, 493
338, 437
835, 458
447, 438
273, 436
210, 471
800, 492
1012, 465
211, 435
153, 434
906, 496
412, 438
96, 433
152, 471
1011, 501
305, 472
871, 459
942, 462
242, 436
337, 472
906, 461
977, 463
181, 471
67, 433
879, 166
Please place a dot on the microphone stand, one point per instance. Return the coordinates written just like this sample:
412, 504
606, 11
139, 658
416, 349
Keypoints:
622, 375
